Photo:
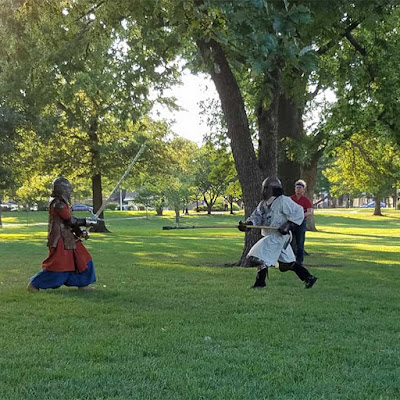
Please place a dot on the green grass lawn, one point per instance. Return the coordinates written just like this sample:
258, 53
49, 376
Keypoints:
169, 321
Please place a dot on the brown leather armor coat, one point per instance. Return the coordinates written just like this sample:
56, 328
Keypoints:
58, 228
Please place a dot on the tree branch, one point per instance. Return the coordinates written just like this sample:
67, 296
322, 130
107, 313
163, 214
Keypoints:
316, 91
363, 52
363, 153
333, 42
69, 113
95, 7
356, 45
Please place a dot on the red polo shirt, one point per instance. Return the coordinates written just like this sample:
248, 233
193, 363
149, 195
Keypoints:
302, 201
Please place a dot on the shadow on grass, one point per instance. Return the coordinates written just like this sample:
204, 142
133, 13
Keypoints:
357, 235
349, 221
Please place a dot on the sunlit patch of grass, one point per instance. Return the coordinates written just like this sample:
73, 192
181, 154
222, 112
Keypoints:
9, 220
4, 237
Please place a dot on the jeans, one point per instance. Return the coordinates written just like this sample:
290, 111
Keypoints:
300, 235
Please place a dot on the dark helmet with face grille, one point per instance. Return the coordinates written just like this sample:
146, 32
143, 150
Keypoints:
271, 186
62, 188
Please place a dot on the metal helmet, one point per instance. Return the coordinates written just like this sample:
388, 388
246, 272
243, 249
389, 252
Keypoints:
62, 188
269, 186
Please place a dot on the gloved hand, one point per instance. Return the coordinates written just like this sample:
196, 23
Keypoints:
285, 228
90, 222
85, 235
242, 226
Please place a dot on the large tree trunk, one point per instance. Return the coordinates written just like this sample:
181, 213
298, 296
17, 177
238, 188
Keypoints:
290, 126
377, 210
309, 174
394, 198
289, 171
159, 211
268, 122
177, 214
97, 202
231, 204
97, 189
249, 173
208, 204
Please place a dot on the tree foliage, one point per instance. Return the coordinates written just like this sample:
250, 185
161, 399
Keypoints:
365, 163
87, 77
169, 181
214, 172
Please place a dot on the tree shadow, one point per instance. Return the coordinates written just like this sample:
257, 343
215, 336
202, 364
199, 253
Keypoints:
357, 234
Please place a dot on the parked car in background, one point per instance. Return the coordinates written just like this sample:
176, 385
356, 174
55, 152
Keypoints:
125, 207
82, 207
371, 204
9, 207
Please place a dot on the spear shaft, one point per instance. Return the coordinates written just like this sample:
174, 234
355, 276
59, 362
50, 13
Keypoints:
101, 209
168, 228
103, 206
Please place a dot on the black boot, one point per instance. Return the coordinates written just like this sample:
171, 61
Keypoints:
303, 273
260, 279
309, 282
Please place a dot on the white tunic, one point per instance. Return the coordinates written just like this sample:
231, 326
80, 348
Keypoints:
275, 246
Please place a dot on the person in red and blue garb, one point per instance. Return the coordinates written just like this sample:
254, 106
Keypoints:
68, 263
299, 232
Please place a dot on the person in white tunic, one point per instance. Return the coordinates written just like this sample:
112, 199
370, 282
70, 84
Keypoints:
281, 212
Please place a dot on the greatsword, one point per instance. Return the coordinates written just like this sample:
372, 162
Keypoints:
101, 209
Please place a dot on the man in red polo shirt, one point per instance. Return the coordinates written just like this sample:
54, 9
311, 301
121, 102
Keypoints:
300, 230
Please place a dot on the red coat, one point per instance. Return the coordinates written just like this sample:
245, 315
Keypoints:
61, 259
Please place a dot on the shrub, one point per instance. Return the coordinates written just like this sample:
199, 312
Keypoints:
112, 206
220, 207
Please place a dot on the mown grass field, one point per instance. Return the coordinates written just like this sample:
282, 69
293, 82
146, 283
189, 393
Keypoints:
169, 321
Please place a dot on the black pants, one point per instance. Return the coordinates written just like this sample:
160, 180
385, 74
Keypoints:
300, 271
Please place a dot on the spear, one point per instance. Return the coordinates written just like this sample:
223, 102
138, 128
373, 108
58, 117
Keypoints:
168, 228
101, 209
